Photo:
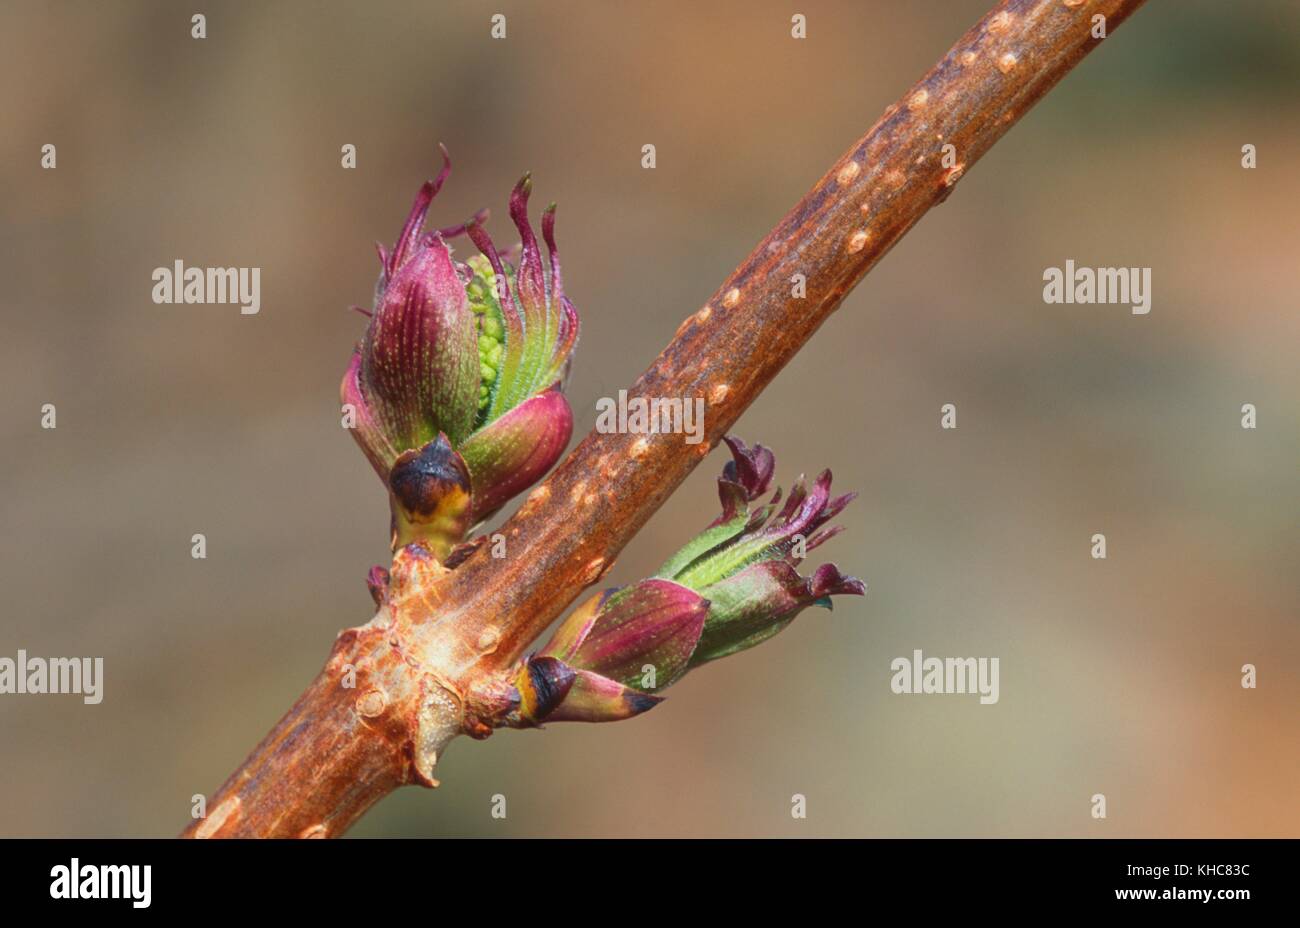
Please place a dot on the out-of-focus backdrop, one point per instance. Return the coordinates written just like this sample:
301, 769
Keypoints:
1119, 677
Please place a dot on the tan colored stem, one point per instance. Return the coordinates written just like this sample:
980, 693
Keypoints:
573, 526
367, 724
442, 657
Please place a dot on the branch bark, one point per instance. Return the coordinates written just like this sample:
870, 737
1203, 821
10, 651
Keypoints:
432, 662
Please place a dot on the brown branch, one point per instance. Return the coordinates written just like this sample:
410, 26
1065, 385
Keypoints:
431, 664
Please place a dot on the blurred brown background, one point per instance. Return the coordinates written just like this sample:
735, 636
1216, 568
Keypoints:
1118, 676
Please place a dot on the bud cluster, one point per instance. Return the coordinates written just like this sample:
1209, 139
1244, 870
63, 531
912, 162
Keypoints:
733, 586
456, 384
456, 394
